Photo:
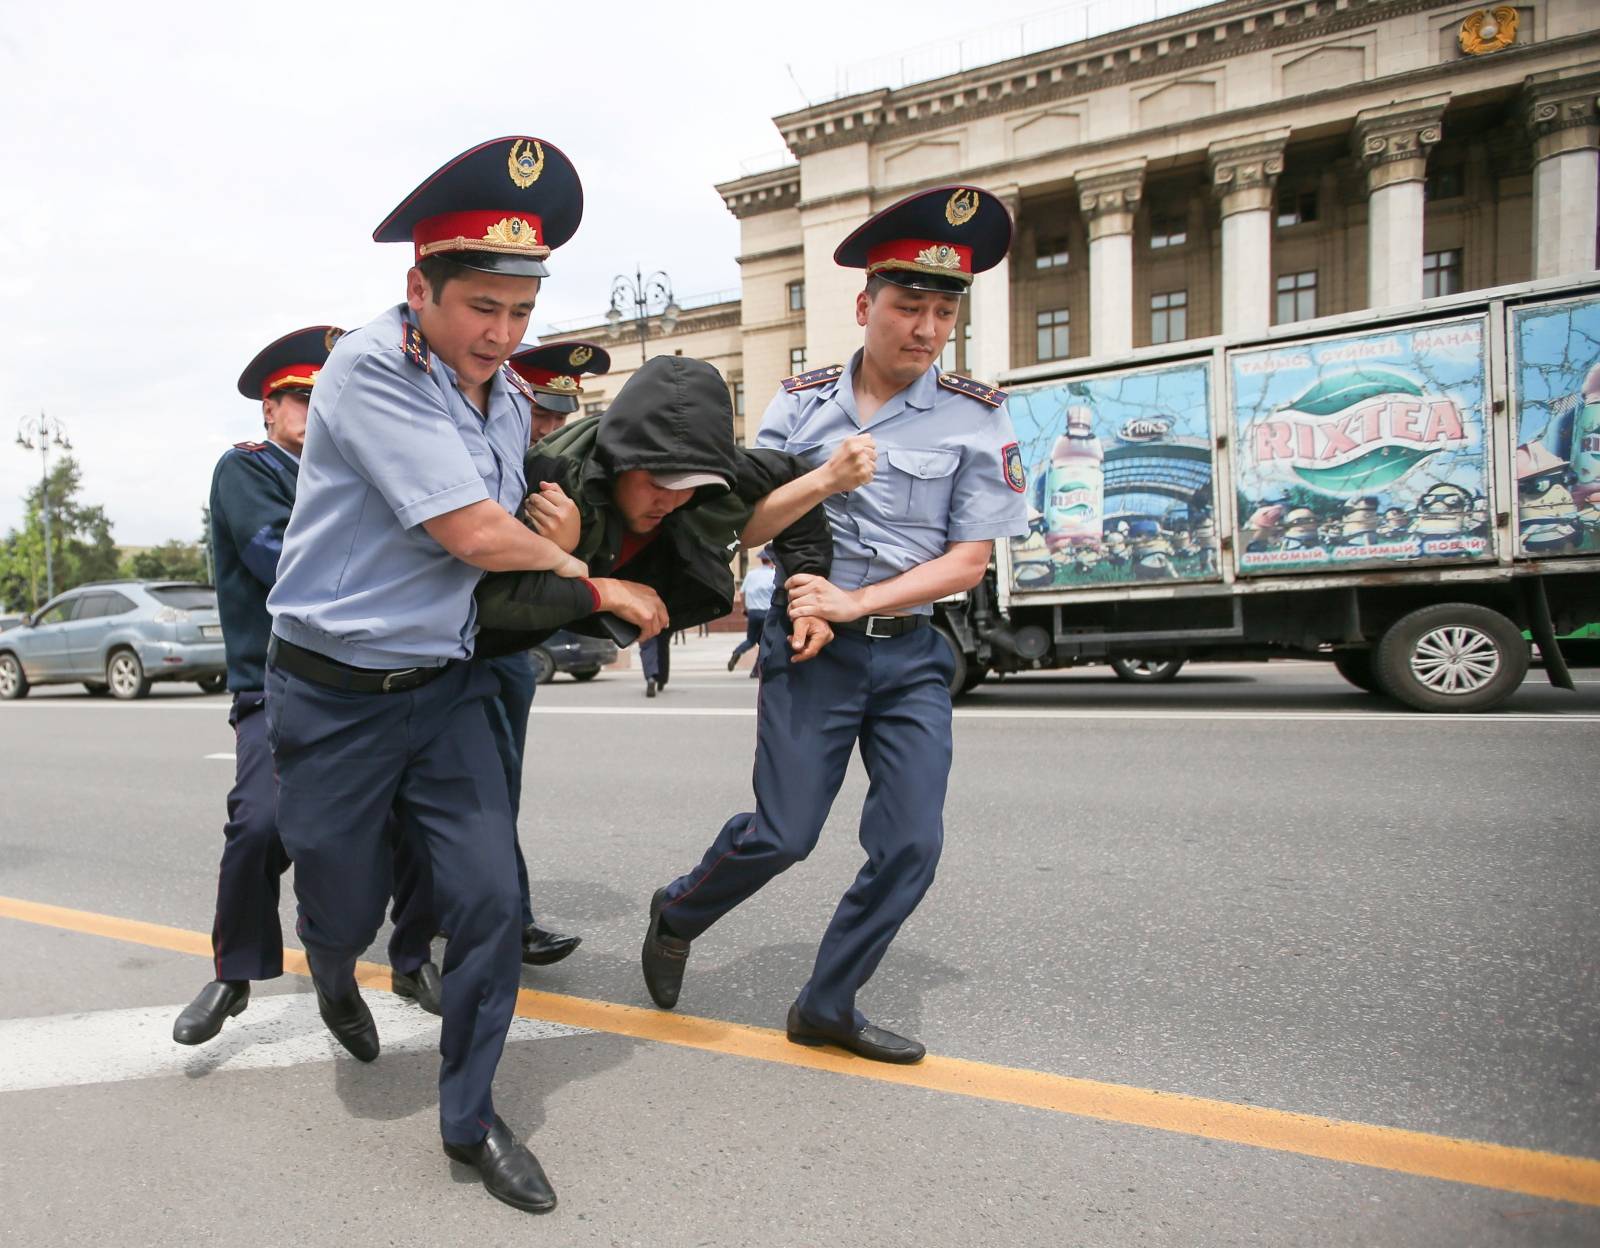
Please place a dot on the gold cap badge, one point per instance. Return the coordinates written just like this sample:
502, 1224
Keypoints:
526, 162
331, 337
963, 206
580, 356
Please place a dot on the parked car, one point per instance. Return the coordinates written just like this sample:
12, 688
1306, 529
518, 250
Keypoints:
579, 656
117, 637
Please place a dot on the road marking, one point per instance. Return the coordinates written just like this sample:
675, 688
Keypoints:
1527, 1172
229, 757
282, 1029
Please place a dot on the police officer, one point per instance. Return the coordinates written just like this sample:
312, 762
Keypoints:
412, 470
552, 384
948, 481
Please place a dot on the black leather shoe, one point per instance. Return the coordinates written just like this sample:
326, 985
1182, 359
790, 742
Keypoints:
663, 958
424, 987
508, 1170
203, 1017
350, 1022
873, 1043
733, 662
541, 948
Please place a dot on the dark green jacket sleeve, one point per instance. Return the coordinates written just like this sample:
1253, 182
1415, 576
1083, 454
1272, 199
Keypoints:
807, 544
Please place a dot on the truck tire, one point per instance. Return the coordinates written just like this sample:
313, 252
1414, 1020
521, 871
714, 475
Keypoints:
976, 675
1356, 667
958, 678
1451, 657
1146, 671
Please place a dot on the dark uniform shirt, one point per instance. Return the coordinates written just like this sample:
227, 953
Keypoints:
252, 493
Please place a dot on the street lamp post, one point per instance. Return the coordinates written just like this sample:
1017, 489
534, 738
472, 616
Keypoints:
648, 296
40, 433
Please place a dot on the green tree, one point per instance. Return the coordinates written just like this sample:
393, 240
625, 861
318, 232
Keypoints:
81, 546
171, 561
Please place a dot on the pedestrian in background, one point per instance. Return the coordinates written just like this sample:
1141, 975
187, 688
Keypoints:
756, 594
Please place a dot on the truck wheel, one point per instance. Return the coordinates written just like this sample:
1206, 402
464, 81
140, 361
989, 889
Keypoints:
1356, 667
544, 667
13, 684
1451, 657
958, 678
1146, 671
975, 676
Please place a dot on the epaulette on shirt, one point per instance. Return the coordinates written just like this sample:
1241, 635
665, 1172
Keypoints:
972, 389
252, 447
816, 377
415, 347
518, 384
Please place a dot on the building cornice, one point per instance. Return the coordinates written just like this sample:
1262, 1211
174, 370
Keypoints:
776, 253
762, 192
1170, 45
694, 321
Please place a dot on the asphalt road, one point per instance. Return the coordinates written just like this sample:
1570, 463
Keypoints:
1253, 885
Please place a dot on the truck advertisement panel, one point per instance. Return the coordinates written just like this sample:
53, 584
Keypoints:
1556, 366
1366, 449
1119, 480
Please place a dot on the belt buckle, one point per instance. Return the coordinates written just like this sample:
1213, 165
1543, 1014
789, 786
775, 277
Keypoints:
391, 679
878, 636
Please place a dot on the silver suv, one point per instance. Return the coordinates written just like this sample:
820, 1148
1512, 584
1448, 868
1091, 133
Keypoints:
117, 637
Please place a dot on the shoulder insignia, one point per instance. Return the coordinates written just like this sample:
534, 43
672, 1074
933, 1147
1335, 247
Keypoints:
415, 347
251, 447
972, 389
816, 377
518, 384
1011, 465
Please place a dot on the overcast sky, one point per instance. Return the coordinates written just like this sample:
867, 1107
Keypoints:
184, 183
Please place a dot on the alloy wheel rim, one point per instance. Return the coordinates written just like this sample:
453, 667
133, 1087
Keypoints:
8, 676
122, 678
1455, 660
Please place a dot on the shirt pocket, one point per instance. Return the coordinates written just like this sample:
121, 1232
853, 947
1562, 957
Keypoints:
921, 481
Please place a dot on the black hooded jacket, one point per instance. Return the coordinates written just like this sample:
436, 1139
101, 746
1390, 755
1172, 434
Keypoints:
673, 415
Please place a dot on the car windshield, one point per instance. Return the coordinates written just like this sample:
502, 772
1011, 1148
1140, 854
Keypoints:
185, 597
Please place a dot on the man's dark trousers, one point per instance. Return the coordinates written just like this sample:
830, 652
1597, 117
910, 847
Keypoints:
754, 622
344, 760
508, 721
892, 695
246, 937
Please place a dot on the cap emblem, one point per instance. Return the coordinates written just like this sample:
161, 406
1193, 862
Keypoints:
563, 383
941, 256
331, 337
580, 356
526, 162
513, 232
963, 206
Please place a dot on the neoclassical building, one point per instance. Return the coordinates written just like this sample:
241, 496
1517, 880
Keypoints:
1247, 164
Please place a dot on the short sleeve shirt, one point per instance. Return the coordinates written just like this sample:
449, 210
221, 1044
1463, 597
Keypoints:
942, 472
390, 443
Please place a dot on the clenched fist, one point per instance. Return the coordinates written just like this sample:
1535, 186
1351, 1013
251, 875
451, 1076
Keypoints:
852, 463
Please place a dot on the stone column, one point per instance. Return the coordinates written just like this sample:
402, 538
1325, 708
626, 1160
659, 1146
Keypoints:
1393, 143
1107, 197
1564, 121
990, 353
1244, 176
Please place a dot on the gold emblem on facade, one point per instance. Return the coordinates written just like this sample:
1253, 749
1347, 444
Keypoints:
331, 337
963, 206
526, 162
580, 356
1488, 30
940, 256
562, 382
513, 232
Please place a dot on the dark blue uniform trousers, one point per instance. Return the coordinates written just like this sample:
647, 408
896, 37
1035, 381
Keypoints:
891, 697
344, 760
246, 937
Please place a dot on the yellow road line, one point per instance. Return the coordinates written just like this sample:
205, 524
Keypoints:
1526, 1172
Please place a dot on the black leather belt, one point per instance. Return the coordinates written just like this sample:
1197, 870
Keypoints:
883, 626
309, 665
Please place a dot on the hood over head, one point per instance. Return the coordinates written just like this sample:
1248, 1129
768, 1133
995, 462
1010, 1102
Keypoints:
673, 418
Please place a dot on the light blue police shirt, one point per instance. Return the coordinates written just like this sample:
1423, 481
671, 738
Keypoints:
941, 474
391, 442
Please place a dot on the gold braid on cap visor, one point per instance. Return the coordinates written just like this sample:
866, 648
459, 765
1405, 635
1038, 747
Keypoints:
511, 236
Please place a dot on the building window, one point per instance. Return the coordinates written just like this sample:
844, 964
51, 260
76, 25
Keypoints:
1052, 334
596, 408
1444, 184
1297, 297
1296, 207
1441, 273
950, 359
1169, 316
738, 399
797, 296
797, 360
1050, 253
1169, 233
